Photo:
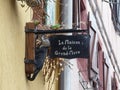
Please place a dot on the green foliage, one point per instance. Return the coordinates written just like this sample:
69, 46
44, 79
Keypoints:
36, 22
56, 26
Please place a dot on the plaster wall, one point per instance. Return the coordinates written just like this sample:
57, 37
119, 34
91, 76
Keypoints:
12, 48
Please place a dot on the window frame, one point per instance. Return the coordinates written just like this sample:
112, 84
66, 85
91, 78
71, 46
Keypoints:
105, 74
115, 17
114, 84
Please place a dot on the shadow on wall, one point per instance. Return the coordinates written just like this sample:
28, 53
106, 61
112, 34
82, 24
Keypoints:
13, 5
15, 12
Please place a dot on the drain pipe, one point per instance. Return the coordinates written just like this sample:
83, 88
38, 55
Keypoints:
66, 20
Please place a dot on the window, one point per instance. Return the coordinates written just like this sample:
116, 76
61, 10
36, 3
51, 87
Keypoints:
93, 53
51, 12
115, 9
96, 61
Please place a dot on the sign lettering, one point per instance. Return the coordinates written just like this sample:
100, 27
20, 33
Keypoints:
71, 46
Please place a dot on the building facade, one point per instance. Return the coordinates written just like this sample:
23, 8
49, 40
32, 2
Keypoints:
101, 71
102, 17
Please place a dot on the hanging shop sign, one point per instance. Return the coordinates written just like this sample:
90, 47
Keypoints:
71, 46
39, 44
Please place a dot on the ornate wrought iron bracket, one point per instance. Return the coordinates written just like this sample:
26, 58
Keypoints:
55, 31
35, 55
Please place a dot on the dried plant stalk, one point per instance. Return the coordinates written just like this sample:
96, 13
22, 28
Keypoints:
52, 68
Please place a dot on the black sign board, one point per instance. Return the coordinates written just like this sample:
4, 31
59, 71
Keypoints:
69, 46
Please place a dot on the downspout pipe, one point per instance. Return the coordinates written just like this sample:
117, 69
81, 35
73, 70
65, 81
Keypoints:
66, 12
66, 20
